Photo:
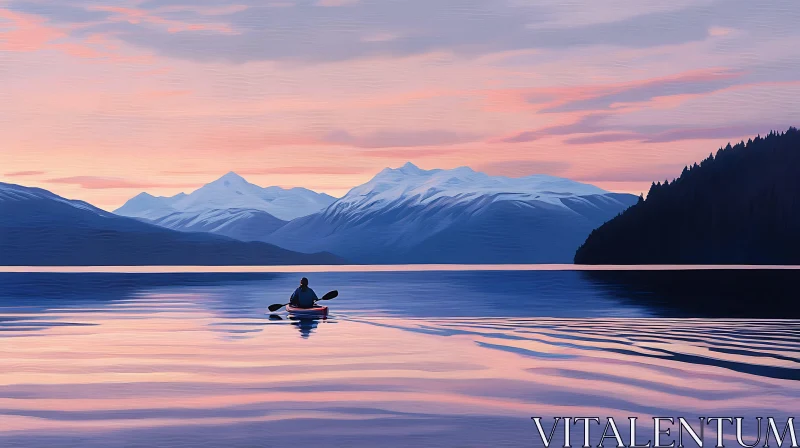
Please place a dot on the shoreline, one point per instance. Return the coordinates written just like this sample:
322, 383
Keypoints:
376, 268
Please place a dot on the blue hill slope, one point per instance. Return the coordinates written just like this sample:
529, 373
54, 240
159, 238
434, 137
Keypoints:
38, 228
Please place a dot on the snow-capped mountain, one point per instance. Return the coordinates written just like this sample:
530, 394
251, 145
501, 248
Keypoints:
415, 186
411, 215
38, 227
231, 191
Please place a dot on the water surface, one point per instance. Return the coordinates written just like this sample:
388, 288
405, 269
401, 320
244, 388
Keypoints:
428, 359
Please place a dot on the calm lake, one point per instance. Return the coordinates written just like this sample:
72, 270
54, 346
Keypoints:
405, 359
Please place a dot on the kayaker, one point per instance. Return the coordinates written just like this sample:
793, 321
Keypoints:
303, 297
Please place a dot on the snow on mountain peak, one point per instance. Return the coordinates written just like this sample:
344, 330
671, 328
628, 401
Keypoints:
231, 179
411, 169
228, 192
411, 184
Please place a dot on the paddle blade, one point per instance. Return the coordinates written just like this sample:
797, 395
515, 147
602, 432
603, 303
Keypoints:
276, 306
330, 295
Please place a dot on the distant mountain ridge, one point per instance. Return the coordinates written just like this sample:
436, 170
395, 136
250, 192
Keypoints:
741, 206
411, 215
241, 224
38, 228
230, 191
10, 193
145, 205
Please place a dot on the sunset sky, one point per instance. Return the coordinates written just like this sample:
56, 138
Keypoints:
100, 100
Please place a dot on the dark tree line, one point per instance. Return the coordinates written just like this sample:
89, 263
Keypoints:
740, 206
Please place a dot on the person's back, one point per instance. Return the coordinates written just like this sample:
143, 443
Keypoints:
303, 297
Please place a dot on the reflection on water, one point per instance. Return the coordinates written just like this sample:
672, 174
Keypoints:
705, 293
306, 325
403, 360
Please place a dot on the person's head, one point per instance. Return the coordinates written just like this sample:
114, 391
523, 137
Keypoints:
304, 282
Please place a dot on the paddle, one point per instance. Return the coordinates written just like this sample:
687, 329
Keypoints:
330, 295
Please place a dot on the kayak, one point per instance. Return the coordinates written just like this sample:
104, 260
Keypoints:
315, 311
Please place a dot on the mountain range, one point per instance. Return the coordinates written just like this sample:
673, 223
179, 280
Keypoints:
229, 206
229, 192
403, 215
411, 215
39, 228
737, 207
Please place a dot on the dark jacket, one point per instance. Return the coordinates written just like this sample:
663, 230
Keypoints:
303, 297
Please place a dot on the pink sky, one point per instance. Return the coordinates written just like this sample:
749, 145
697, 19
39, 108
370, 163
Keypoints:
101, 102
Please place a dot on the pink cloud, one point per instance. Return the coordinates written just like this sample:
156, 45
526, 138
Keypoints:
156, 94
405, 154
677, 134
30, 33
333, 3
676, 100
136, 16
24, 173
101, 183
80, 51
287, 170
303, 169
520, 168
244, 139
718, 31
582, 124
634, 173
132, 15
204, 11
552, 99
217, 27
400, 138
25, 32
606, 137
719, 132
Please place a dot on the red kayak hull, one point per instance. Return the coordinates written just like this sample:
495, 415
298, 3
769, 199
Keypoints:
315, 311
